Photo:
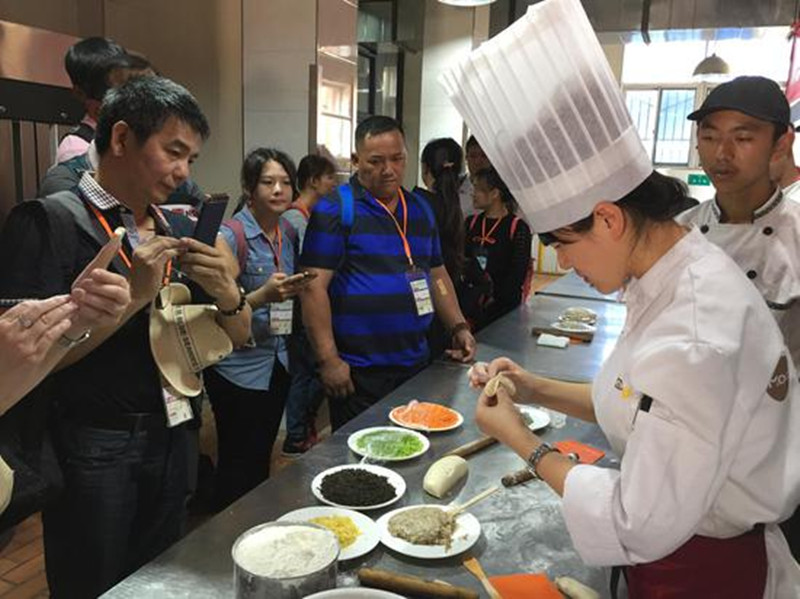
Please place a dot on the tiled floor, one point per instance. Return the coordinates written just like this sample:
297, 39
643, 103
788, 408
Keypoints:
21, 551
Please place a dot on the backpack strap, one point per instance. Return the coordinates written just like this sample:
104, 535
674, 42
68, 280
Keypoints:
235, 225
68, 214
348, 205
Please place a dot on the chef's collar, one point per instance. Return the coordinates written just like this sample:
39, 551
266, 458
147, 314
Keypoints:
767, 207
640, 292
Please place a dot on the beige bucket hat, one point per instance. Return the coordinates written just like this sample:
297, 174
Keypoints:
185, 338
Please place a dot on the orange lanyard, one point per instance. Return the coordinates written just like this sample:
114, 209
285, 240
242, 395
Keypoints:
487, 237
303, 210
276, 256
122, 253
402, 232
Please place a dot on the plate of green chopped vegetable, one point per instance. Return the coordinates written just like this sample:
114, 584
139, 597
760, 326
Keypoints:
388, 443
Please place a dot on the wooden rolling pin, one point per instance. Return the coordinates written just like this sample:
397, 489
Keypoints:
585, 336
473, 446
412, 585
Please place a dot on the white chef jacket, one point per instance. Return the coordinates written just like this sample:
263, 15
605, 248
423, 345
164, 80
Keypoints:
792, 191
768, 251
714, 455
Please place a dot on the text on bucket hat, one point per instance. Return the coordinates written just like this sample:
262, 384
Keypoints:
185, 338
542, 101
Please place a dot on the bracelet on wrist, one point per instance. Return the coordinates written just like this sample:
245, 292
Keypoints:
238, 308
537, 455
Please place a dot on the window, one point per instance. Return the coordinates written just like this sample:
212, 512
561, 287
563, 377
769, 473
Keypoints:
660, 118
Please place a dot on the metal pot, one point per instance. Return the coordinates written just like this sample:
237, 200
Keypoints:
264, 567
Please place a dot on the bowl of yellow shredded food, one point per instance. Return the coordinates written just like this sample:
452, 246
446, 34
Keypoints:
357, 534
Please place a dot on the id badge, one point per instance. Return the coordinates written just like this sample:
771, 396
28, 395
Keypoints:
421, 292
482, 256
280, 318
178, 408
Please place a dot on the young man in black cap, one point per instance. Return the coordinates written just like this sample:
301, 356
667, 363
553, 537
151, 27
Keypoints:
743, 128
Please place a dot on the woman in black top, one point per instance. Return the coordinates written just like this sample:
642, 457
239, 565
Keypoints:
442, 161
499, 242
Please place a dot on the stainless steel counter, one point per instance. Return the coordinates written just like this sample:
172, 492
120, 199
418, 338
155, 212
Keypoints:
571, 285
523, 529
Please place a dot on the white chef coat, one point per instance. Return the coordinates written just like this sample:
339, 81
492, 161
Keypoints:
792, 191
768, 251
714, 455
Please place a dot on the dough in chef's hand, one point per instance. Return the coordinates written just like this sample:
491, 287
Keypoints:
498, 381
444, 474
574, 589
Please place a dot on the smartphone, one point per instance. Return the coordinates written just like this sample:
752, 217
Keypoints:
211, 215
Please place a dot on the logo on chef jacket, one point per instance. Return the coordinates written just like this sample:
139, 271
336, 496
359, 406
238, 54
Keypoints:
778, 386
625, 391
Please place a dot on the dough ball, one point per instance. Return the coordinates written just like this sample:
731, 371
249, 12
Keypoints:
444, 474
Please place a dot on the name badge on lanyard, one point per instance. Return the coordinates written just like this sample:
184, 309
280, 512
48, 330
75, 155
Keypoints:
420, 291
178, 408
482, 256
280, 313
280, 318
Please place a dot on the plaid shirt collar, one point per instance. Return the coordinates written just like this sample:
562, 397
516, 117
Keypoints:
99, 197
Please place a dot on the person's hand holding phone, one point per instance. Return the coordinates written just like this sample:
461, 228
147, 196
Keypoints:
281, 287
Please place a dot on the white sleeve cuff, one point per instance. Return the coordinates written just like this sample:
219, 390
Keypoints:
589, 497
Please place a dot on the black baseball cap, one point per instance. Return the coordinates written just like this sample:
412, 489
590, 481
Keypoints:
758, 97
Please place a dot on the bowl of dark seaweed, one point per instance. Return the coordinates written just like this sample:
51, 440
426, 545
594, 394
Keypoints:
358, 486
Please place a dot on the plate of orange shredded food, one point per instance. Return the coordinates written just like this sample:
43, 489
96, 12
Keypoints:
426, 416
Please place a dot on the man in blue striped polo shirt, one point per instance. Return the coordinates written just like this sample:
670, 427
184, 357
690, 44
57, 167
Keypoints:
379, 279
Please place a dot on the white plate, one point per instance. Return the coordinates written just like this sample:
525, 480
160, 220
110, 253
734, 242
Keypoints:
395, 480
355, 593
364, 543
539, 417
467, 532
570, 326
418, 427
352, 442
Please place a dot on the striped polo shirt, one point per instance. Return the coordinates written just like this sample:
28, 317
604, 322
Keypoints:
374, 316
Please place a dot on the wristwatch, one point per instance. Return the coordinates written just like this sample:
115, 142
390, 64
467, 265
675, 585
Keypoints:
68, 342
237, 309
537, 455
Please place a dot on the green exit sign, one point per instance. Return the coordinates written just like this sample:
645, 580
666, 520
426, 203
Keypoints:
699, 180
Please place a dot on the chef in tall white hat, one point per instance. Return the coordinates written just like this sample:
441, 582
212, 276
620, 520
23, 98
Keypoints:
699, 396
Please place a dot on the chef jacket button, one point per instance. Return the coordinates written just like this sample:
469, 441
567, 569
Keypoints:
704, 229
751, 274
767, 231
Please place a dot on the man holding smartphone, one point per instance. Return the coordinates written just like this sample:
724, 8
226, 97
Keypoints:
124, 461
380, 279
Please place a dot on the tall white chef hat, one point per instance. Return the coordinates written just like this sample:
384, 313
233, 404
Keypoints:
545, 107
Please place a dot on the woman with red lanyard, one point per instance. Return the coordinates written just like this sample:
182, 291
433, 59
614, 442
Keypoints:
498, 247
699, 397
248, 388
316, 178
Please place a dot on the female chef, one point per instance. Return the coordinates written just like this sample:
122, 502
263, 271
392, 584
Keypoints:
698, 399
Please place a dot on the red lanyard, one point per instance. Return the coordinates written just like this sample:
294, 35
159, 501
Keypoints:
487, 237
304, 211
276, 256
122, 253
402, 232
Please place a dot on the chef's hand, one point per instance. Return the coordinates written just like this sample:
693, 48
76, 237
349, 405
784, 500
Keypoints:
482, 372
464, 347
498, 417
335, 376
